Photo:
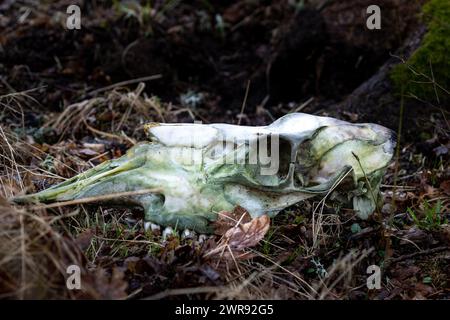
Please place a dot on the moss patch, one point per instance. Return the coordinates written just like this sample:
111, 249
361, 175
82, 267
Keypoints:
431, 60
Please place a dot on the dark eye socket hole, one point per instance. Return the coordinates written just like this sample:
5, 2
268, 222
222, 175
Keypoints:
284, 157
162, 200
299, 179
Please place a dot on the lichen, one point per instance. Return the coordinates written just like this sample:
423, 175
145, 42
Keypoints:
425, 74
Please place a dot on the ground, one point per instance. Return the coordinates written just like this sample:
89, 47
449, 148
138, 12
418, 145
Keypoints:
71, 99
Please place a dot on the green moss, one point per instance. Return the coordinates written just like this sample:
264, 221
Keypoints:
431, 60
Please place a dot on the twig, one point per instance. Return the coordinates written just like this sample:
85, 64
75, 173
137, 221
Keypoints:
124, 83
295, 275
415, 254
303, 105
96, 199
241, 114
418, 73
109, 135
184, 291
129, 241
397, 153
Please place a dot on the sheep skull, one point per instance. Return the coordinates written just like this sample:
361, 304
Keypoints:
202, 169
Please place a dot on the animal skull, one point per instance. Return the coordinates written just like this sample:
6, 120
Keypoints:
198, 170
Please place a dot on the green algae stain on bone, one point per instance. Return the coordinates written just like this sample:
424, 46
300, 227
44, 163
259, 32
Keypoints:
186, 186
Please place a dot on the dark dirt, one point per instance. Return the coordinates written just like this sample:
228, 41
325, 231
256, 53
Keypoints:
287, 56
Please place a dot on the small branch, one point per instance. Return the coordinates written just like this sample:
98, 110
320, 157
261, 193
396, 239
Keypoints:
97, 199
244, 103
184, 291
124, 83
416, 254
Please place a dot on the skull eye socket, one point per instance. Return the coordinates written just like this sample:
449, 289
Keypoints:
285, 150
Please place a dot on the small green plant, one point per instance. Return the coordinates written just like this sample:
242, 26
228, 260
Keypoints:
267, 245
134, 9
299, 250
425, 74
221, 26
144, 12
48, 163
299, 219
432, 216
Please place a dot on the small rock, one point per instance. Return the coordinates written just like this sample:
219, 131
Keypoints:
387, 208
355, 228
202, 238
167, 232
187, 234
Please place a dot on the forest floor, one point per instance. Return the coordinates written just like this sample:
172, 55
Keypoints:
71, 99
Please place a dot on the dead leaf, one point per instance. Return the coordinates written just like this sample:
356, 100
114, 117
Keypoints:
131, 263
241, 236
110, 287
87, 152
84, 239
421, 291
248, 234
445, 231
227, 220
445, 187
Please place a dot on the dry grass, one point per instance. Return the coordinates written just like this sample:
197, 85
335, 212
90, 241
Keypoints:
33, 255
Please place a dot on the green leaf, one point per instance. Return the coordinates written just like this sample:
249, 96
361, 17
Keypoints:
355, 228
427, 280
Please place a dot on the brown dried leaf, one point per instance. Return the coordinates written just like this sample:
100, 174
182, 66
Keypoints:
227, 220
83, 240
248, 234
239, 237
110, 287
